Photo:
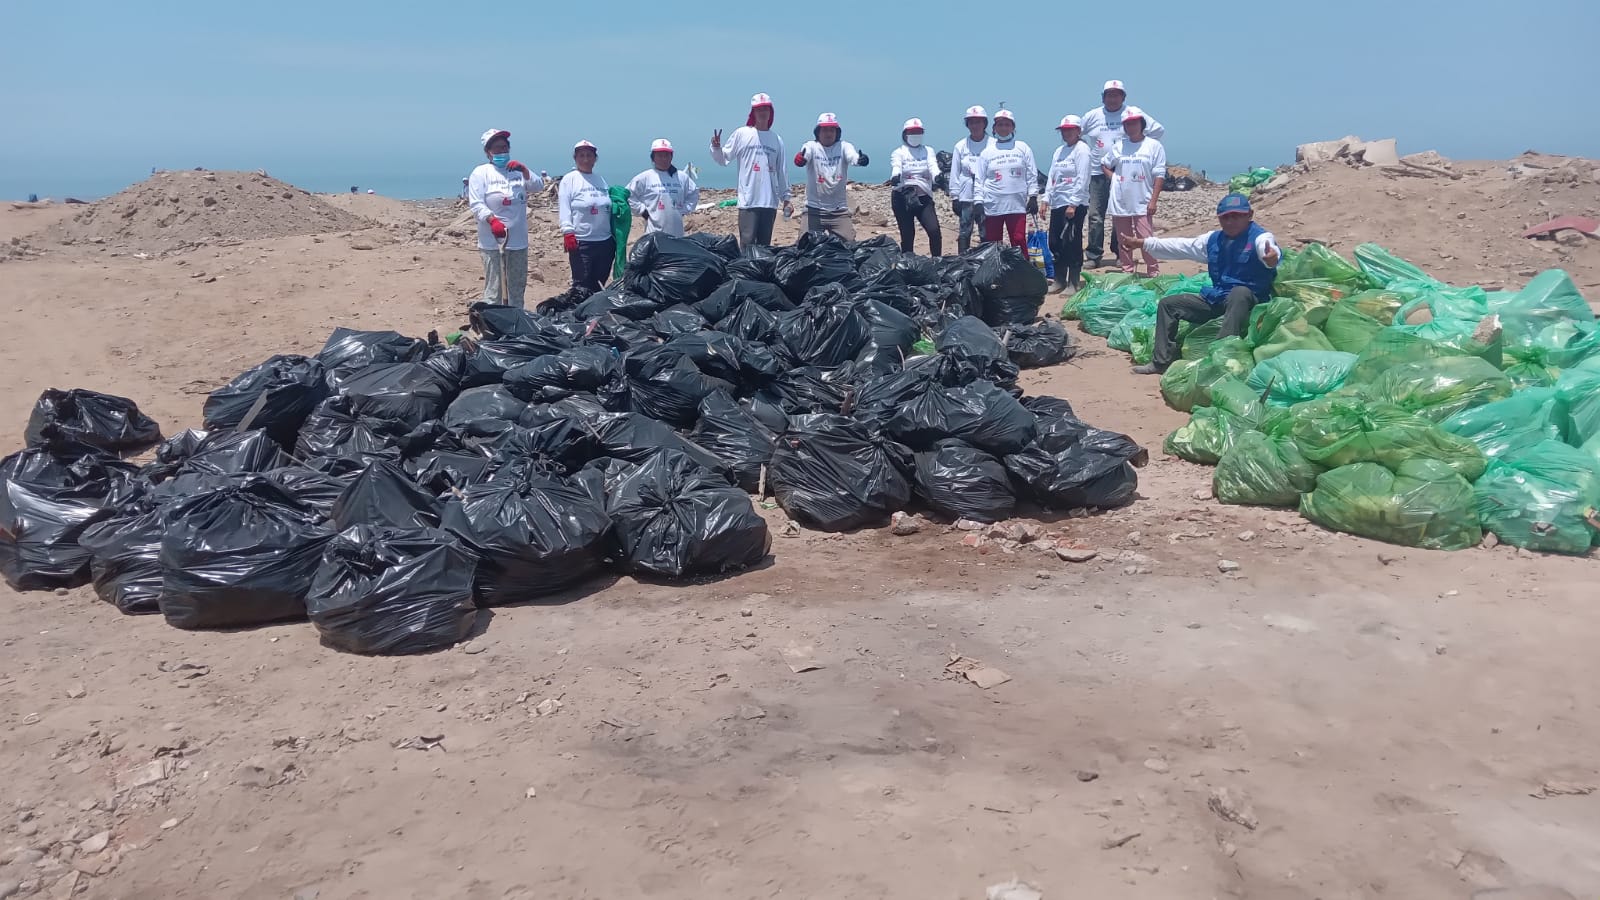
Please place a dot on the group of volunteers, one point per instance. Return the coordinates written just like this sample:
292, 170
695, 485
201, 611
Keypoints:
1110, 161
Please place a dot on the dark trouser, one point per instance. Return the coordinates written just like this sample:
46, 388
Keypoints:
911, 207
1099, 197
592, 262
971, 216
1235, 313
755, 227
1066, 240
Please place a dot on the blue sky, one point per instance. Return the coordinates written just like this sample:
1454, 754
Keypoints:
393, 95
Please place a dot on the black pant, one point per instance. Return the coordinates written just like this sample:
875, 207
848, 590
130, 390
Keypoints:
911, 207
1235, 313
1066, 240
592, 263
755, 227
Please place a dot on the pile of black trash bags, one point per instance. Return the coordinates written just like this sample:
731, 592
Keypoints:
389, 487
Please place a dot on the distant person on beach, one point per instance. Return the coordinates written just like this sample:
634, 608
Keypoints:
497, 192
662, 195
1008, 184
1067, 195
1136, 169
1102, 128
963, 177
763, 182
912, 169
1242, 259
585, 202
827, 159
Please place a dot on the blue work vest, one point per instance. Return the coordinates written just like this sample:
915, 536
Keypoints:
1233, 263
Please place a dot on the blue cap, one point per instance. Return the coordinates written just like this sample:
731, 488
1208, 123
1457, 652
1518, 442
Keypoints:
1233, 203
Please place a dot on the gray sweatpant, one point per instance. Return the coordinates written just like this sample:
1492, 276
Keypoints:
516, 284
837, 221
755, 227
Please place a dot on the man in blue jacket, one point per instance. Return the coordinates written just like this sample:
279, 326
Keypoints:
1242, 259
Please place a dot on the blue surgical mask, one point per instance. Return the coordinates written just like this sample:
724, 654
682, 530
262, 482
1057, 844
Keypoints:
500, 160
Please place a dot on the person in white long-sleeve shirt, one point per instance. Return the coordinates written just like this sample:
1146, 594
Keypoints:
912, 170
1242, 259
1067, 195
1008, 184
661, 194
1102, 129
1137, 168
964, 174
763, 181
497, 193
584, 200
827, 160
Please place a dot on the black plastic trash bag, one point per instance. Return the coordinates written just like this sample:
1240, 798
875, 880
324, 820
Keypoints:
241, 556
723, 245
92, 419
829, 330
442, 471
334, 431
755, 263
980, 413
736, 436
310, 487
958, 480
631, 437
1037, 346
833, 473
48, 496
405, 392
673, 270
124, 560
751, 321
532, 535
677, 319
617, 300
970, 337
1071, 465
494, 401
385, 496
217, 453
726, 357
491, 360
806, 389
890, 338
350, 350
674, 518
293, 385
1012, 287
667, 386
587, 369
818, 259
393, 591
493, 321
724, 300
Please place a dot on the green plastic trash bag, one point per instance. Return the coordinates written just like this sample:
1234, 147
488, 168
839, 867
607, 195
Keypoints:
1070, 309
1240, 184
1143, 345
1281, 325
1235, 397
1141, 316
1108, 281
1259, 470
1233, 354
1103, 314
1188, 382
1296, 376
1339, 430
1578, 402
1558, 346
621, 225
1317, 262
1261, 175
1543, 499
1393, 347
1507, 427
1186, 284
1525, 375
1209, 434
1315, 296
1195, 341
1449, 309
1384, 268
1422, 503
1437, 389
1355, 320
923, 347
1549, 299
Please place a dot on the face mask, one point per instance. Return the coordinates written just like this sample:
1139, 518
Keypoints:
500, 160
913, 140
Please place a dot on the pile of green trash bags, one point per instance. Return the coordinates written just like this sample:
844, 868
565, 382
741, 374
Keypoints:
1383, 402
1246, 182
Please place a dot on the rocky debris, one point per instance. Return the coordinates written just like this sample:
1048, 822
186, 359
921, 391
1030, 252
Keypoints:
17, 248
1350, 150
902, 524
976, 671
1158, 766
1227, 566
1233, 806
1085, 775
169, 212
1121, 840
1013, 890
1073, 554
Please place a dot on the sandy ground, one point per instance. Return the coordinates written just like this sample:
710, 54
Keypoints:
1387, 722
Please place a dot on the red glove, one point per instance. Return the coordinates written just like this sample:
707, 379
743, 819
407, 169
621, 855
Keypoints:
515, 166
569, 241
800, 158
498, 227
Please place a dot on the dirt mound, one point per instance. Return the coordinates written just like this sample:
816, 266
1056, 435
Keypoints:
1460, 221
387, 210
177, 210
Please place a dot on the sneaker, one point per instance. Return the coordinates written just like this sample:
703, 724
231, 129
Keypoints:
1148, 369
